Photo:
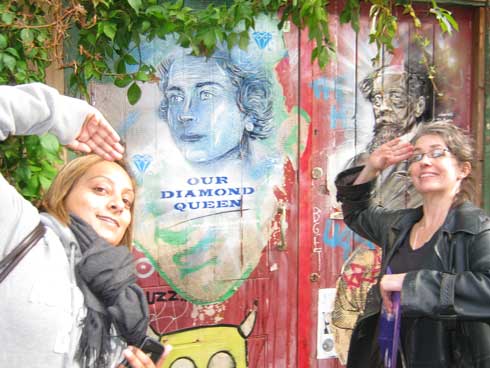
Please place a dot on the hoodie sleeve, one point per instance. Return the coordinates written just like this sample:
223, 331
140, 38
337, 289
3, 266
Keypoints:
35, 108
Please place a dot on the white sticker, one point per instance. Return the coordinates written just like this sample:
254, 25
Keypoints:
325, 342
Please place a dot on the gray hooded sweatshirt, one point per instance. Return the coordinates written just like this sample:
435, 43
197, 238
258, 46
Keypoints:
41, 307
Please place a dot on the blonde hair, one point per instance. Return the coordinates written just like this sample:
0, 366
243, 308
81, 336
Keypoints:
54, 199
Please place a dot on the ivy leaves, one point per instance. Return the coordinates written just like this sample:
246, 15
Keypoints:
29, 163
313, 16
384, 24
121, 26
111, 48
445, 18
23, 53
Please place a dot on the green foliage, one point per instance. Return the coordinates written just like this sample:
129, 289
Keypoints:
445, 18
29, 163
113, 30
25, 53
110, 32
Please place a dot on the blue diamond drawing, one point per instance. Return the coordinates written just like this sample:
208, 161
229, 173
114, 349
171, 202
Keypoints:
142, 162
262, 38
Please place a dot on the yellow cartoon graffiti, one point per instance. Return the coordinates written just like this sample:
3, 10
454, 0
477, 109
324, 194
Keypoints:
219, 346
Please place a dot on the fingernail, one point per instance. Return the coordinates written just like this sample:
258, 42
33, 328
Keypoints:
127, 353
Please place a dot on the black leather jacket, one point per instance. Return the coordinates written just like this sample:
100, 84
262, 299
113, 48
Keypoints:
452, 304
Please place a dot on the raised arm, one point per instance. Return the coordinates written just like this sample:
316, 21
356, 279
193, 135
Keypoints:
37, 108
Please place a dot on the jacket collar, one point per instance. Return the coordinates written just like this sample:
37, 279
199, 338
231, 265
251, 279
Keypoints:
466, 218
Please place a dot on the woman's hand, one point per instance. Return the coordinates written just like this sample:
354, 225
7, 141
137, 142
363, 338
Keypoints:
98, 136
138, 359
388, 284
388, 154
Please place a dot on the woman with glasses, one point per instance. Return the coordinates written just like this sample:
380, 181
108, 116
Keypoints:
437, 256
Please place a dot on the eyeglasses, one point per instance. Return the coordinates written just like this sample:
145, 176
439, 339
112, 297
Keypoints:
395, 98
435, 153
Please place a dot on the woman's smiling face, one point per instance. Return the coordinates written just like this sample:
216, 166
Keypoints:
435, 174
103, 198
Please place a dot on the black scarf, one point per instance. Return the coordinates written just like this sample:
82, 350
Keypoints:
106, 276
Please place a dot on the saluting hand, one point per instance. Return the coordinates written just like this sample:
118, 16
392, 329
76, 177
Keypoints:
388, 154
98, 136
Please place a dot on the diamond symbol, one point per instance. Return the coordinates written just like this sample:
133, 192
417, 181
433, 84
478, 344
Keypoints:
142, 162
262, 38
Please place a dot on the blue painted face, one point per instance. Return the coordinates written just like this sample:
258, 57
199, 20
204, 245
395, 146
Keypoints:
204, 119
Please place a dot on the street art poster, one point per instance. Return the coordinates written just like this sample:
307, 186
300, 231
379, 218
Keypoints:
206, 144
375, 101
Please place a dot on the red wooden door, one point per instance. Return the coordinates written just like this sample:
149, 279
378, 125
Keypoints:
341, 128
